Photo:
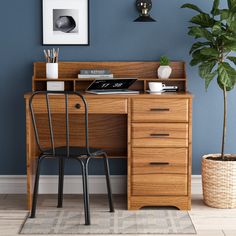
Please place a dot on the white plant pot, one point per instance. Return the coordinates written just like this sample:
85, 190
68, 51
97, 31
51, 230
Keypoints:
164, 72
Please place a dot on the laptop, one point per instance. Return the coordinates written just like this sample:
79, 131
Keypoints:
112, 86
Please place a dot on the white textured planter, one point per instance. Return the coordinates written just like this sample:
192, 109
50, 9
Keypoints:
219, 182
164, 72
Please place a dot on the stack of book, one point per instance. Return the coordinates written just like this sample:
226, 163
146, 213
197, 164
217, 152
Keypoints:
95, 74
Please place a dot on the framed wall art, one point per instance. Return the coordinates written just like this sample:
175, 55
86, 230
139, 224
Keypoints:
65, 22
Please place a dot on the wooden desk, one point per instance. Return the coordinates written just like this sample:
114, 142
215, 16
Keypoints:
154, 132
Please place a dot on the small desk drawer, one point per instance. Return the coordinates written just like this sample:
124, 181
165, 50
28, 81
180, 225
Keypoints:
102, 106
160, 110
159, 184
75, 105
159, 160
160, 135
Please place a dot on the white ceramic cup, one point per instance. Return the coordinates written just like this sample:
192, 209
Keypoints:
52, 70
156, 86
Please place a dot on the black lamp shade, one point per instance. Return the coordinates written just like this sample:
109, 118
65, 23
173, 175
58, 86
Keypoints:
144, 19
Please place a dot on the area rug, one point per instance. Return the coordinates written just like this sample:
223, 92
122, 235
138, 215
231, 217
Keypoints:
120, 222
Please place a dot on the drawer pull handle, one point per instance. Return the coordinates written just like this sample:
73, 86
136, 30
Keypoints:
159, 135
77, 106
160, 109
159, 163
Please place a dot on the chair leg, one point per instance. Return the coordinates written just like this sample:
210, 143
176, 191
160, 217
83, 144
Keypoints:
85, 192
109, 191
60, 182
36, 186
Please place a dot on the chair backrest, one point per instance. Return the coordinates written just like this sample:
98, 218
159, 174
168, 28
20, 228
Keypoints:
46, 95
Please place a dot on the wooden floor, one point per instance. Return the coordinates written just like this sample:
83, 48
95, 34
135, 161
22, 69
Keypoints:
207, 221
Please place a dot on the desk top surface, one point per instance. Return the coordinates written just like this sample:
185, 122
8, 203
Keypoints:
136, 96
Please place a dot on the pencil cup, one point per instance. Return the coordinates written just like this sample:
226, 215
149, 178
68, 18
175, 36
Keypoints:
52, 70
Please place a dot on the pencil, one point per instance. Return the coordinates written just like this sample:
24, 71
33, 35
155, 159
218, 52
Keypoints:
57, 55
46, 56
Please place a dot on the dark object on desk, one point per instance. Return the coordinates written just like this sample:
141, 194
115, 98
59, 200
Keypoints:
62, 153
115, 86
171, 88
65, 24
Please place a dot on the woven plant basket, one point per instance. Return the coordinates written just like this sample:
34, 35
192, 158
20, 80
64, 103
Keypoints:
219, 182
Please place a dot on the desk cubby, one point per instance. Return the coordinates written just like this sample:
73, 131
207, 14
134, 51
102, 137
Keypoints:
68, 73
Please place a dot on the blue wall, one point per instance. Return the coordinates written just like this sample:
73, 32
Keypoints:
114, 36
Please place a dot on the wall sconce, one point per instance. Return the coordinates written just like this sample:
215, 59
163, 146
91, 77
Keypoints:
144, 7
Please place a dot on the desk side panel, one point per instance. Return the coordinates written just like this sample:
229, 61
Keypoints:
31, 154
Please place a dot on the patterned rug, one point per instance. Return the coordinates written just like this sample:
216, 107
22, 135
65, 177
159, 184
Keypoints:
120, 222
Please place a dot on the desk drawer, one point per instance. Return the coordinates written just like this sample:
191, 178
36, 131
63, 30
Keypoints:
95, 106
159, 135
159, 160
160, 110
159, 184
112, 106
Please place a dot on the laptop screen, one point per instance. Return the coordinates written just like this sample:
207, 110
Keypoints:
108, 84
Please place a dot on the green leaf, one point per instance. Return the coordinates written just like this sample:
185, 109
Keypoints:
232, 25
226, 75
229, 3
233, 59
210, 52
197, 45
215, 9
206, 68
232, 4
197, 58
230, 18
192, 6
225, 14
229, 43
230, 46
217, 29
195, 62
199, 32
203, 20
200, 58
209, 78
205, 72
230, 38
228, 88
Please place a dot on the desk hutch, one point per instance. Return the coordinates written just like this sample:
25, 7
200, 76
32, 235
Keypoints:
154, 132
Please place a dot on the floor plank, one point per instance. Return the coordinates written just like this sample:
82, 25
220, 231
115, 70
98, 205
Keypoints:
229, 232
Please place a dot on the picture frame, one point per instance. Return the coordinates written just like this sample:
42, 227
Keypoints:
65, 22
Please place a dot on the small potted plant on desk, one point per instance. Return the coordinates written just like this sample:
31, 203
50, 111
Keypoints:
216, 34
164, 70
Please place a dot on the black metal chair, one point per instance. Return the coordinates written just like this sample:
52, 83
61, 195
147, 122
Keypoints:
82, 154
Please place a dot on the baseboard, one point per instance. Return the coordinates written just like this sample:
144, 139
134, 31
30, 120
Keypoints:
16, 184
196, 184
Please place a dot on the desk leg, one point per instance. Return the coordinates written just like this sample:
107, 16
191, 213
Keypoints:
31, 153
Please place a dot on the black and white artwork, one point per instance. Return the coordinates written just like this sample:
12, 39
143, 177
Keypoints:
65, 22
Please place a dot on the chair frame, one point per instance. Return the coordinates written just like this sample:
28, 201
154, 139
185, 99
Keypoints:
84, 160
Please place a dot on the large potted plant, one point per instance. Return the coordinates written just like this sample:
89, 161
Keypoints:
215, 33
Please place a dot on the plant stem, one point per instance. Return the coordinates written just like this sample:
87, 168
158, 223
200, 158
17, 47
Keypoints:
224, 124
